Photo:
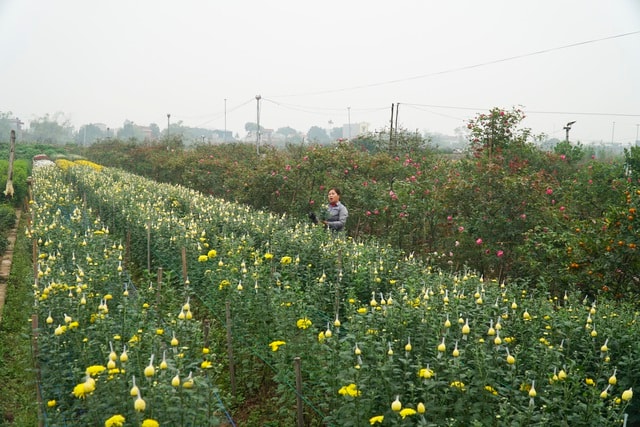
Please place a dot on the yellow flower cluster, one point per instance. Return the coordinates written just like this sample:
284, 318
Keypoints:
349, 390
303, 323
275, 345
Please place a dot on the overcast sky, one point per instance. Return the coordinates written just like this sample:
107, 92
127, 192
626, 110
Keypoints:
335, 61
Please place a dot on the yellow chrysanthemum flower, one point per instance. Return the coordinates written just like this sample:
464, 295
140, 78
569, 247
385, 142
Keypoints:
95, 370
285, 260
150, 423
349, 390
275, 345
115, 421
407, 412
425, 373
378, 419
303, 323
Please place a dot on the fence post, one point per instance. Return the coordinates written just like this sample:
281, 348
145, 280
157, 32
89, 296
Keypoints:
232, 368
300, 409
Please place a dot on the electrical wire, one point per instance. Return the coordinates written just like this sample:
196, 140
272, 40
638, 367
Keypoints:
466, 67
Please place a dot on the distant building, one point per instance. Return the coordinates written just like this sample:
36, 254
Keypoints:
101, 126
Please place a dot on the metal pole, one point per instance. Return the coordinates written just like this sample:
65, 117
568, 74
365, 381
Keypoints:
613, 128
224, 138
258, 127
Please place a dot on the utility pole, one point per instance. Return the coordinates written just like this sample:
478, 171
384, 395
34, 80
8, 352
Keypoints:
258, 123
613, 128
396, 126
224, 138
391, 126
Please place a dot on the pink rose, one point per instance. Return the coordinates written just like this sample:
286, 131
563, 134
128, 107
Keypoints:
479, 241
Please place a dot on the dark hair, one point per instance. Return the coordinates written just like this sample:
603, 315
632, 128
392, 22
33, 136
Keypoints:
337, 190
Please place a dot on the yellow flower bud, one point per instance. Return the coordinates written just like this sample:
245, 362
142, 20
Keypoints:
175, 381
396, 406
140, 405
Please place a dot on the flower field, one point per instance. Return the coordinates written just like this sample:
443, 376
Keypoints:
157, 305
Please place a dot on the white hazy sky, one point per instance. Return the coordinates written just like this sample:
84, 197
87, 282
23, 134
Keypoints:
315, 62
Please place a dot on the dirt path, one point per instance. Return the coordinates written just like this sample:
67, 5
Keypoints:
5, 263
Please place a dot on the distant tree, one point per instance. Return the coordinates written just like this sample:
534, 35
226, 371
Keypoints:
632, 161
251, 126
50, 130
7, 123
129, 130
89, 134
155, 130
287, 131
497, 130
571, 152
336, 133
319, 135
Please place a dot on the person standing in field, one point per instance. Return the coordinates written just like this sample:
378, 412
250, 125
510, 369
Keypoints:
337, 213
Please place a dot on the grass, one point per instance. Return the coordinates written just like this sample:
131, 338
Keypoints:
17, 376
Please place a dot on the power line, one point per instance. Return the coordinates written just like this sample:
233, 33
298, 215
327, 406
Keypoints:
466, 67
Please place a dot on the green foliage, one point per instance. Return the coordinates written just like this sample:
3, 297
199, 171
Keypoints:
366, 321
20, 173
17, 376
632, 161
569, 152
509, 194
